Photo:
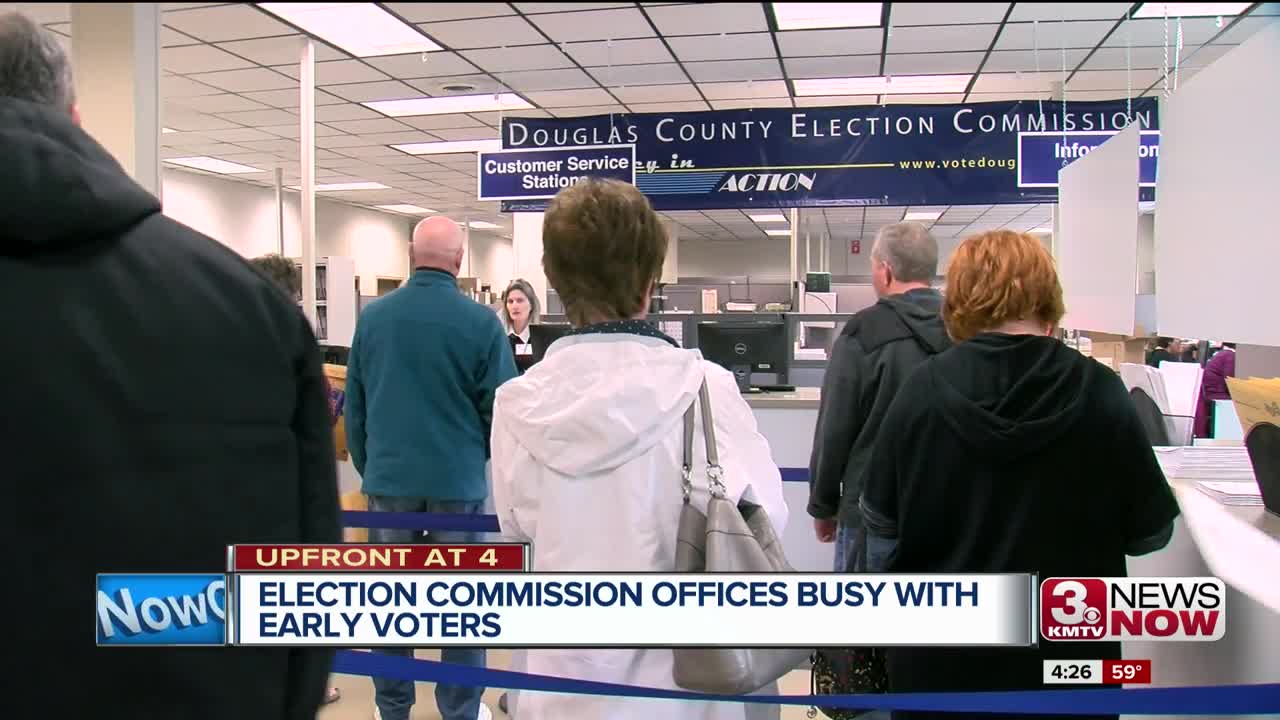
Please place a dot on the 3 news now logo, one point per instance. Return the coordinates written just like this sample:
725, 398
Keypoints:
162, 610
1132, 608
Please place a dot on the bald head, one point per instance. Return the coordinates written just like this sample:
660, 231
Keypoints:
437, 244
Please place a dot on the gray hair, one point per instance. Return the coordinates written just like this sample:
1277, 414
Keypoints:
535, 312
910, 251
33, 66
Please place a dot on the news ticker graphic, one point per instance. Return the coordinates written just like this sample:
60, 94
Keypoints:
1097, 672
1109, 609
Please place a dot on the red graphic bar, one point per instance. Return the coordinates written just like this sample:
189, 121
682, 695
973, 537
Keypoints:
499, 557
1126, 672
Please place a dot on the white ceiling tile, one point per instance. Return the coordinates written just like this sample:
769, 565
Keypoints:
435, 86
199, 58
368, 92
340, 141
942, 63
172, 38
181, 118
493, 119
1205, 55
925, 99
658, 74
731, 70
1050, 37
816, 43
540, 8
1097, 95
749, 104
1111, 80
1140, 58
372, 151
403, 136
740, 90
238, 21
695, 18
246, 80
618, 52
488, 32
345, 111
180, 139
836, 100
1025, 60
274, 146
691, 106
1006, 97
1246, 27
528, 57
927, 13
483, 133
290, 98
941, 38
236, 135
1150, 32
535, 80
259, 118
419, 65
441, 122
724, 47
594, 25
214, 149
368, 126
833, 67
656, 94
174, 86
278, 51
570, 98
420, 12
587, 111
1016, 82
224, 102
337, 72
1068, 11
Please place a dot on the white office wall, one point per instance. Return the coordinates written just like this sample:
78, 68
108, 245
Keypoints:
1216, 245
243, 217
762, 259
491, 259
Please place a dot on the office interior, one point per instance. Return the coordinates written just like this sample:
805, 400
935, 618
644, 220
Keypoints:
257, 134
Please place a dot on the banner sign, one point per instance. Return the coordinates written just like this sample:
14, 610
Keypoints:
838, 156
541, 173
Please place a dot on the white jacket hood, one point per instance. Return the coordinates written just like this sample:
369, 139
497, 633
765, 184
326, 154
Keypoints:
605, 403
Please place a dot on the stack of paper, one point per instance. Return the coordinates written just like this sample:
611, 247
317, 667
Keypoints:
1232, 493
1206, 463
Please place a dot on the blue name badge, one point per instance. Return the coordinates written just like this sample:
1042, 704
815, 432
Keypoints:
139, 609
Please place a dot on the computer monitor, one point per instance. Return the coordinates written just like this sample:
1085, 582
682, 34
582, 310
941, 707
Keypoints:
541, 337
744, 347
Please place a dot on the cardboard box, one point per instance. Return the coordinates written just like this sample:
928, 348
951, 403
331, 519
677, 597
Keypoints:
337, 377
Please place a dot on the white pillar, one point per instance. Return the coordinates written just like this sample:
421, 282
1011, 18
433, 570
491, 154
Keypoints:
307, 196
671, 264
115, 51
526, 247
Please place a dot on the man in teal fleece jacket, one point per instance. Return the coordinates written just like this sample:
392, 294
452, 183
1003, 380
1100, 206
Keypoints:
425, 364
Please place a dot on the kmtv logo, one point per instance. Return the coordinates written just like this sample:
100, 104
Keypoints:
1132, 608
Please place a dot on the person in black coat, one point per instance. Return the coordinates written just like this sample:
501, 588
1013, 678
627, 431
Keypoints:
165, 401
1161, 352
978, 466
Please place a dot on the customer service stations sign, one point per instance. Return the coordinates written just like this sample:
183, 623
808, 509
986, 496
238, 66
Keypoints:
862, 155
540, 174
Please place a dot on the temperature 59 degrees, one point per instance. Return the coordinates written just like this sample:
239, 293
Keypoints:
1097, 672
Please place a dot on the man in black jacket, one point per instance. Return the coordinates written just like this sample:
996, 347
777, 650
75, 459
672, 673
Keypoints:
877, 350
163, 400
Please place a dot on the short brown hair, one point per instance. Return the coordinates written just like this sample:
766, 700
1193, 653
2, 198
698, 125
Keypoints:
602, 249
281, 271
997, 277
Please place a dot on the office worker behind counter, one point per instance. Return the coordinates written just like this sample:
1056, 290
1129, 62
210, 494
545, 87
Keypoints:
1009, 453
520, 309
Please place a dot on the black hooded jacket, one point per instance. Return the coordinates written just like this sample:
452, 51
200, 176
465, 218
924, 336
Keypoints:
162, 401
1011, 454
878, 348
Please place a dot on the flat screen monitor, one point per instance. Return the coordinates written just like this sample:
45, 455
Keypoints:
541, 337
746, 347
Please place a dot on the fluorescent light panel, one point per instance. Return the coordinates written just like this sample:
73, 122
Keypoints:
810, 16
449, 104
482, 225
362, 29
213, 165
406, 209
1158, 10
338, 187
166, 131
447, 147
922, 216
890, 85
778, 233
774, 217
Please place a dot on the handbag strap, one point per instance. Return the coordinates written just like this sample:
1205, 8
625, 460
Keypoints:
715, 474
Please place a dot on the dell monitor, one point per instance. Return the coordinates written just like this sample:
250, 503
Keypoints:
541, 337
746, 347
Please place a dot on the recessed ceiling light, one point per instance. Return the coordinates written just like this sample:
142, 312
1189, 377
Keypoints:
406, 209
778, 233
362, 29
922, 216
1042, 231
447, 147
448, 105
213, 165
338, 187
810, 16
885, 85
482, 225
1157, 10
772, 217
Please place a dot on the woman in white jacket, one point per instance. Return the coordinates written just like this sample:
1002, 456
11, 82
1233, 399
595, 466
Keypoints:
587, 445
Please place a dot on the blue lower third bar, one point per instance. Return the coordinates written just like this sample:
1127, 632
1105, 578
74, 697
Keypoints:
140, 609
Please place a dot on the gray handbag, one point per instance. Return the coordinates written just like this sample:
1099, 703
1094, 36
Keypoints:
730, 538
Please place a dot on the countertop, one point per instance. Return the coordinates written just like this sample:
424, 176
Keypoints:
804, 398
